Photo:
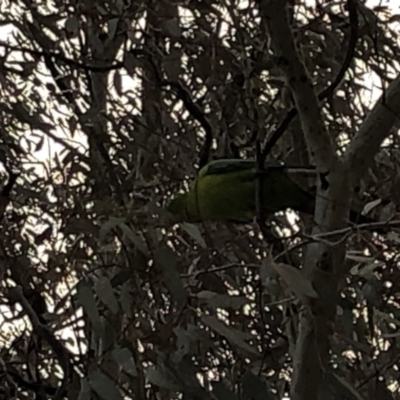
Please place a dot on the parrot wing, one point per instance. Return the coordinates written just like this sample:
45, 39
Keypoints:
225, 166
225, 190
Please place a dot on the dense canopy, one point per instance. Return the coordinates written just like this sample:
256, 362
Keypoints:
109, 109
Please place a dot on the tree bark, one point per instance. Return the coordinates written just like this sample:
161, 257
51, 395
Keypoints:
324, 263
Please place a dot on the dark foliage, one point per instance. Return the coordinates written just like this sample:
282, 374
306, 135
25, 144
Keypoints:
106, 109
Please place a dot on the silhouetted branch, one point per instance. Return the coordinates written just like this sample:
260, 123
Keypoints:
375, 128
45, 334
33, 386
327, 92
317, 137
197, 114
260, 191
193, 109
5, 192
61, 57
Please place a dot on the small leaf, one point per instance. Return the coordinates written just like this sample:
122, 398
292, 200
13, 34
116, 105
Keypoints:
112, 27
130, 63
134, 238
269, 277
296, 280
390, 335
185, 337
121, 278
233, 335
105, 292
216, 300
158, 378
120, 5
72, 124
108, 335
193, 231
370, 293
86, 299
357, 258
104, 386
166, 261
125, 360
107, 227
371, 205
393, 237
266, 268
45, 235
346, 318
222, 392
40, 144
366, 271
72, 24
341, 388
183, 341
206, 294
126, 300
171, 27
254, 388
118, 82
388, 212
84, 393
113, 223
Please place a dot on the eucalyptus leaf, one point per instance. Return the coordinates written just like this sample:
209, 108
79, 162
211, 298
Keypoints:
104, 386
193, 231
254, 388
85, 298
125, 360
105, 292
166, 261
235, 336
296, 280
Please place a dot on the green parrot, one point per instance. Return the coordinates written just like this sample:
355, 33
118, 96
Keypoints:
225, 190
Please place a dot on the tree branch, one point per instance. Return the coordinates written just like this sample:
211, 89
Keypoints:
190, 105
323, 263
375, 128
59, 350
57, 55
317, 137
329, 90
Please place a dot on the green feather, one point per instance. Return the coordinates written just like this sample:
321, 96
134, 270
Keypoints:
225, 166
226, 190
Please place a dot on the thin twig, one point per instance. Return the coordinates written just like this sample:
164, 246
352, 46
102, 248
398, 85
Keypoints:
344, 233
46, 335
59, 56
328, 91
219, 269
183, 94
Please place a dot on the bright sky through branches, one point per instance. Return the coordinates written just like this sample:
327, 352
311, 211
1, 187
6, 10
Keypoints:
61, 120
